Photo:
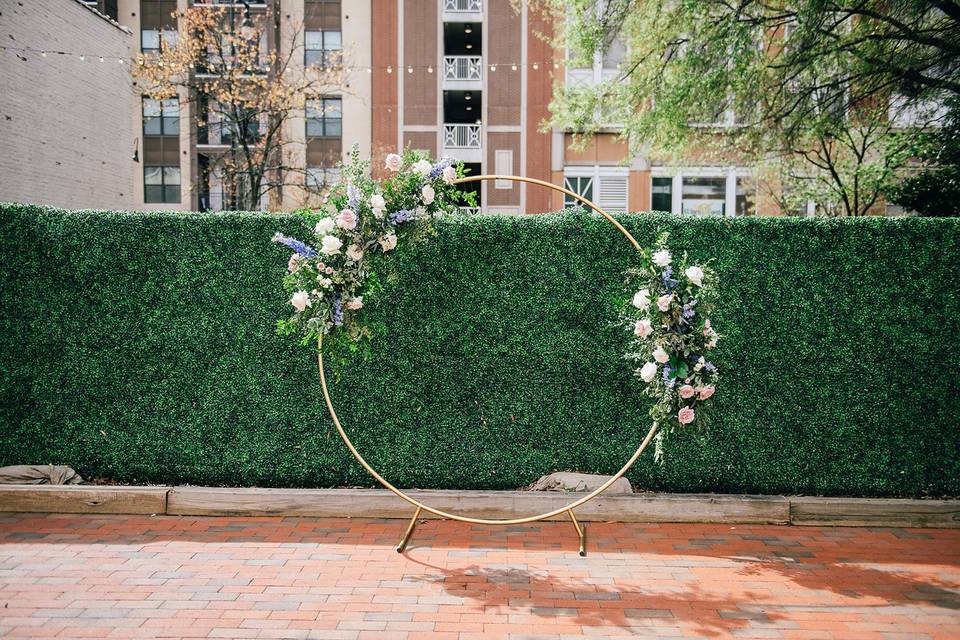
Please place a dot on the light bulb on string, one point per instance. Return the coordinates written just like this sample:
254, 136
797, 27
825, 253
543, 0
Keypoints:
535, 66
389, 69
430, 69
82, 58
101, 58
409, 69
513, 67
369, 69
493, 67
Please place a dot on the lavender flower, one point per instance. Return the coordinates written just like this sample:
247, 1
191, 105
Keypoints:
439, 167
667, 379
353, 196
668, 282
303, 249
687, 312
337, 311
709, 366
404, 215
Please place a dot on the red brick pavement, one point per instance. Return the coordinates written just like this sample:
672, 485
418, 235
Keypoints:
70, 576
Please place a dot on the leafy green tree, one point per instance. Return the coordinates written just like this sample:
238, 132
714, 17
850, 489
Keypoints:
935, 189
819, 88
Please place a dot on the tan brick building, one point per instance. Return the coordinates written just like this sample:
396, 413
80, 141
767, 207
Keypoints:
469, 79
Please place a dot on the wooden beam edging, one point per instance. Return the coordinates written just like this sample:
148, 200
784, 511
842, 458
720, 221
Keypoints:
378, 503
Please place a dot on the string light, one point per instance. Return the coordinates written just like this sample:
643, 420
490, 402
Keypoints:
141, 60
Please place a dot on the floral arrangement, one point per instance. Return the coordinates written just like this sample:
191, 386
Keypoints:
672, 335
361, 218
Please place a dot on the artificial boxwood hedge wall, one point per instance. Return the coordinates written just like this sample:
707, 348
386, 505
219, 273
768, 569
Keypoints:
140, 347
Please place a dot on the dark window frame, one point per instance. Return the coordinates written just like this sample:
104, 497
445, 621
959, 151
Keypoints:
324, 126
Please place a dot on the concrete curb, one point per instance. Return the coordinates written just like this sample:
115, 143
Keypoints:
378, 503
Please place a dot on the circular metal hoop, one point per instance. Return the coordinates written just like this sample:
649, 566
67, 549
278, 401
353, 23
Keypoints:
452, 516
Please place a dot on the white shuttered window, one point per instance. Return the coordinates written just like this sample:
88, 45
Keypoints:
605, 186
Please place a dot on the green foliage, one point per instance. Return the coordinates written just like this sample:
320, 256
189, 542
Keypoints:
141, 347
935, 189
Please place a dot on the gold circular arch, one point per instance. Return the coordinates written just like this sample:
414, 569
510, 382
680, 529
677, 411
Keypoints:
420, 506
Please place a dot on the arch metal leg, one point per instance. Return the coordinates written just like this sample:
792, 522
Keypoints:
581, 531
409, 531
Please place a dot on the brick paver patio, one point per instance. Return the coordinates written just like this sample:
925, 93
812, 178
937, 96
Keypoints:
189, 577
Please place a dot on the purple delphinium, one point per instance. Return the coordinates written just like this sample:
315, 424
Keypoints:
440, 166
667, 380
709, 366
687, 313
337, 311
353, 196
668, 282
404, 215
300, 247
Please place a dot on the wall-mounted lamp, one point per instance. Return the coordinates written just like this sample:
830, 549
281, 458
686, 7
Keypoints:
136, 150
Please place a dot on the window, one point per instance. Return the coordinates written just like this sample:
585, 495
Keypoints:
606, 186
150, 39
704, 191
322, 48
161, 117
704, 196
319, 178
324, 118
661, 198
580, 185
161, 184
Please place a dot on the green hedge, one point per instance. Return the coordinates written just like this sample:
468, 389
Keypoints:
140, 347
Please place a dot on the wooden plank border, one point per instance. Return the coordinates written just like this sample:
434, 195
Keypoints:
83, 499
378, 503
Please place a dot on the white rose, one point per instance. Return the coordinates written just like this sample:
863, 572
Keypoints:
355, 303
449, 175
663, 302
330, 245
428, 194
641, 299
423, 167
648, 372
695, 275
324, 226
388, 241
661, 258
300, 300
642, 328
355, 253
660, 355
377, 202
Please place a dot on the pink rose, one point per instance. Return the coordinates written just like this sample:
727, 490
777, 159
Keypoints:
663, 302
394, 162
347, 219
686, 391
706, 392
642, 328
686, 415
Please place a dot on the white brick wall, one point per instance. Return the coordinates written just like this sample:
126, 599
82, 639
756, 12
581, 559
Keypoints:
65, 122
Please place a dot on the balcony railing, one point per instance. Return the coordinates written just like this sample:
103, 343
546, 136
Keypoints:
463, 6
461, 136
462, 68
469, 210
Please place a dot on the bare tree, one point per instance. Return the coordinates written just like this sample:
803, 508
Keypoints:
245, 94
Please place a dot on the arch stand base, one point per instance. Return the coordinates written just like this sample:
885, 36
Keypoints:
581, 531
